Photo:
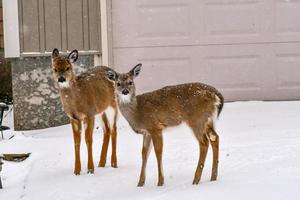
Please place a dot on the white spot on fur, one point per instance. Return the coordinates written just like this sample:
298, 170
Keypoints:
64, 84
214, 116
124, 98
212, 137
76, 127
218, 101
85, 126
110, 114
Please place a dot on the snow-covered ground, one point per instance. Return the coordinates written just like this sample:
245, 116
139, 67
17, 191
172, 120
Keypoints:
259, 159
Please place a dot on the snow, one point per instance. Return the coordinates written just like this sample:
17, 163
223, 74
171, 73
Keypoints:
259, 159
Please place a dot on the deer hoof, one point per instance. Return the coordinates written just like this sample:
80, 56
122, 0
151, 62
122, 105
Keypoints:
141, 183
196, 182
77, 172
114, 165
160, 183
90, 171
102, 163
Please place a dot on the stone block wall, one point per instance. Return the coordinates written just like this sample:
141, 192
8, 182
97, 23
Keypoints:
36, 98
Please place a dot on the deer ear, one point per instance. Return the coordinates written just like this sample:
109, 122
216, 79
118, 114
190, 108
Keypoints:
111, 75
55, 53
73, 56
136, 70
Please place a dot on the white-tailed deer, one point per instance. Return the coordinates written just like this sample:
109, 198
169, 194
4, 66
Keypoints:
82, 98
196, 104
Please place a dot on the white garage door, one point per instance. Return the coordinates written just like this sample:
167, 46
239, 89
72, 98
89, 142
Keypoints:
248, 49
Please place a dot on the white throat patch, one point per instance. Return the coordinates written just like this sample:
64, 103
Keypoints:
124, 98
64, 84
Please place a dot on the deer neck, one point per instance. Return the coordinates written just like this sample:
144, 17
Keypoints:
70, 96
67, 85
69, 90
129, 110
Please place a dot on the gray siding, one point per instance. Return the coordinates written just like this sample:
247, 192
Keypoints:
64, 24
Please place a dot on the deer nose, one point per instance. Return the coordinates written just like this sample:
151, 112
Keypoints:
61, 79
125, 91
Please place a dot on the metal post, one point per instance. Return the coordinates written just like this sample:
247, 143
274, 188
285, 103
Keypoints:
0, 171
1, 118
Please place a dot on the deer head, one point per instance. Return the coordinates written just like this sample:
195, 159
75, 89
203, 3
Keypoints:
62, 67
124, 83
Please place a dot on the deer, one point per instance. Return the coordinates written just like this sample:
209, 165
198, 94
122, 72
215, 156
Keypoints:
196, 104
83, 97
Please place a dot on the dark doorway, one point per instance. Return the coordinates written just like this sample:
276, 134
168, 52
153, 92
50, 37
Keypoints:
5, 68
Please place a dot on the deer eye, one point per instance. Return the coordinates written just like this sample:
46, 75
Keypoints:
130, 83
68, 68
55, 70
118, 84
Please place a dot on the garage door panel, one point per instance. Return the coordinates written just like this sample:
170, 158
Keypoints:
287, 57
175, 16
152, 23
288, 71
234, 70
236, 73
191, 22
243, 70
237, 18
248, 49
170, 68
286, 14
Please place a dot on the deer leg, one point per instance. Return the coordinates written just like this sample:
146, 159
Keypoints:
214, 141
105, 143
203, 143
89, 127
158, 147
114, 146
145, 153
76, 127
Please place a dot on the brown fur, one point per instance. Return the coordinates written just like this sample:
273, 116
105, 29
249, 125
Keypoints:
84, 97
195, 104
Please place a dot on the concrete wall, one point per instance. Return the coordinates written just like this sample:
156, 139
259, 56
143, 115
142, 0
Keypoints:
36, 98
